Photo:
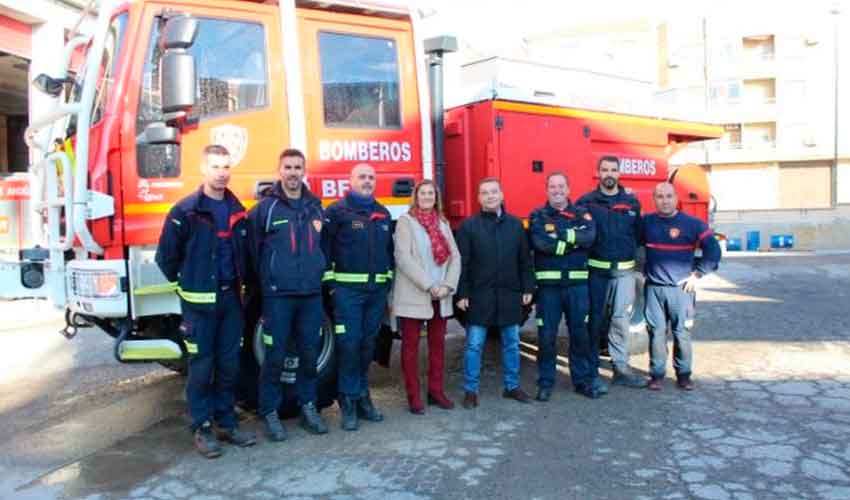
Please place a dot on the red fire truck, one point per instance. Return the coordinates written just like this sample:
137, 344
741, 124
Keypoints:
346, 81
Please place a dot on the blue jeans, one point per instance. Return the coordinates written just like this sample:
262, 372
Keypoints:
673, 304
475, 337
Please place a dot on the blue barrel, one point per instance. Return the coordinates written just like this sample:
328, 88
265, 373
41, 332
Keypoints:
781, 241
733, 245
753, 241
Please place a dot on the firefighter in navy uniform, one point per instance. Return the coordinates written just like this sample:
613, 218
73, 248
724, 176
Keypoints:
561, 233
612, 266
672, 271
358, 242
285, 235
203, 248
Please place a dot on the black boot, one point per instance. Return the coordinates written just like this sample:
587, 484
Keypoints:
348, 412
366, 410
312, 420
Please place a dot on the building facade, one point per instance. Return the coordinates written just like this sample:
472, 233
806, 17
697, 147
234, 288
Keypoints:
774, 80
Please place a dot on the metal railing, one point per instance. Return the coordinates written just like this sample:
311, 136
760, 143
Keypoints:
73, 197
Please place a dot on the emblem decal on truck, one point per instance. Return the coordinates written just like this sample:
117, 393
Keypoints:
232, 137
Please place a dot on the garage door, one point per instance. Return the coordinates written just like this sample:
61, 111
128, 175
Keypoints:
15, 37
804, 185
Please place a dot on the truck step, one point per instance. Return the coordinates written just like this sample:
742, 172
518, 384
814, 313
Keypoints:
149, 350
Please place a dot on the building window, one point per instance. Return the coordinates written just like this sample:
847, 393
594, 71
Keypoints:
360, 81
759, 47
732, 135
759, 135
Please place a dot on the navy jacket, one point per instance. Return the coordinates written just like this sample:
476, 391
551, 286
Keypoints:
187, 251
670, 246
560, 239
285, 243
617, 226
358, 243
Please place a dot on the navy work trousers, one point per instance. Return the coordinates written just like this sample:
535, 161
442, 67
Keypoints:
358, 313
213, 339
284, 318
571, 303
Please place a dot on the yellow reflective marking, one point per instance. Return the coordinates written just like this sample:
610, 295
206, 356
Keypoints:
548, 275
156, 289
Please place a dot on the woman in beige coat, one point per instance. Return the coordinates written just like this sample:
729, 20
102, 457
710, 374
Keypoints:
427, 272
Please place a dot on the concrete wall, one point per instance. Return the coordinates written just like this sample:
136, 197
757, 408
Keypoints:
813, 229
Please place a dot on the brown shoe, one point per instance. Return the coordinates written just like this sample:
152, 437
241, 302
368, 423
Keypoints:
686, 384
654, 384
516, 394
470, 400
440, 400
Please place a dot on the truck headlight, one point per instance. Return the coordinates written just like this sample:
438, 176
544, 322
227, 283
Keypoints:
95, 284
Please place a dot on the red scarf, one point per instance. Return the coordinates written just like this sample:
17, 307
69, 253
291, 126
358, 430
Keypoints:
431, 222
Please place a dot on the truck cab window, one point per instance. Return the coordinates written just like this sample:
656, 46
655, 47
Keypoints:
106, 76
106, 72
232, 76
360, 81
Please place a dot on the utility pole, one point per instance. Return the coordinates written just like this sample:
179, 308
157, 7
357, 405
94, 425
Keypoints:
833, 174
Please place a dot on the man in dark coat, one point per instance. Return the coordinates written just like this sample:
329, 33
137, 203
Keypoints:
496, 281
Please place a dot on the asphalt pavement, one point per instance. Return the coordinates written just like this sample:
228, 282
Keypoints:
770, 417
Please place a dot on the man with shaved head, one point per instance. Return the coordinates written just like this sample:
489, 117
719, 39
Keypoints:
672, 271
357, 241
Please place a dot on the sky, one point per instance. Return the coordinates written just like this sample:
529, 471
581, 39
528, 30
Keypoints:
487, 25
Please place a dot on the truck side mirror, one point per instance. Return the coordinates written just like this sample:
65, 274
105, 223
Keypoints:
177, 81
159, 133
177, 66
49, 85
179, 33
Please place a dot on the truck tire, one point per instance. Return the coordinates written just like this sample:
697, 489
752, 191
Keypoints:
253, 354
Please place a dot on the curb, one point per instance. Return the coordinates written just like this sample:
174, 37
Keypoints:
28, 313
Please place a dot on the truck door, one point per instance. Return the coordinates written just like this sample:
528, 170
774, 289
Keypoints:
531, 145
361, 102
240, 104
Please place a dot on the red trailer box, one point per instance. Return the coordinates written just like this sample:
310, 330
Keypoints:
521, 143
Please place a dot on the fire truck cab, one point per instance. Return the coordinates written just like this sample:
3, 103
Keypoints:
343, 81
